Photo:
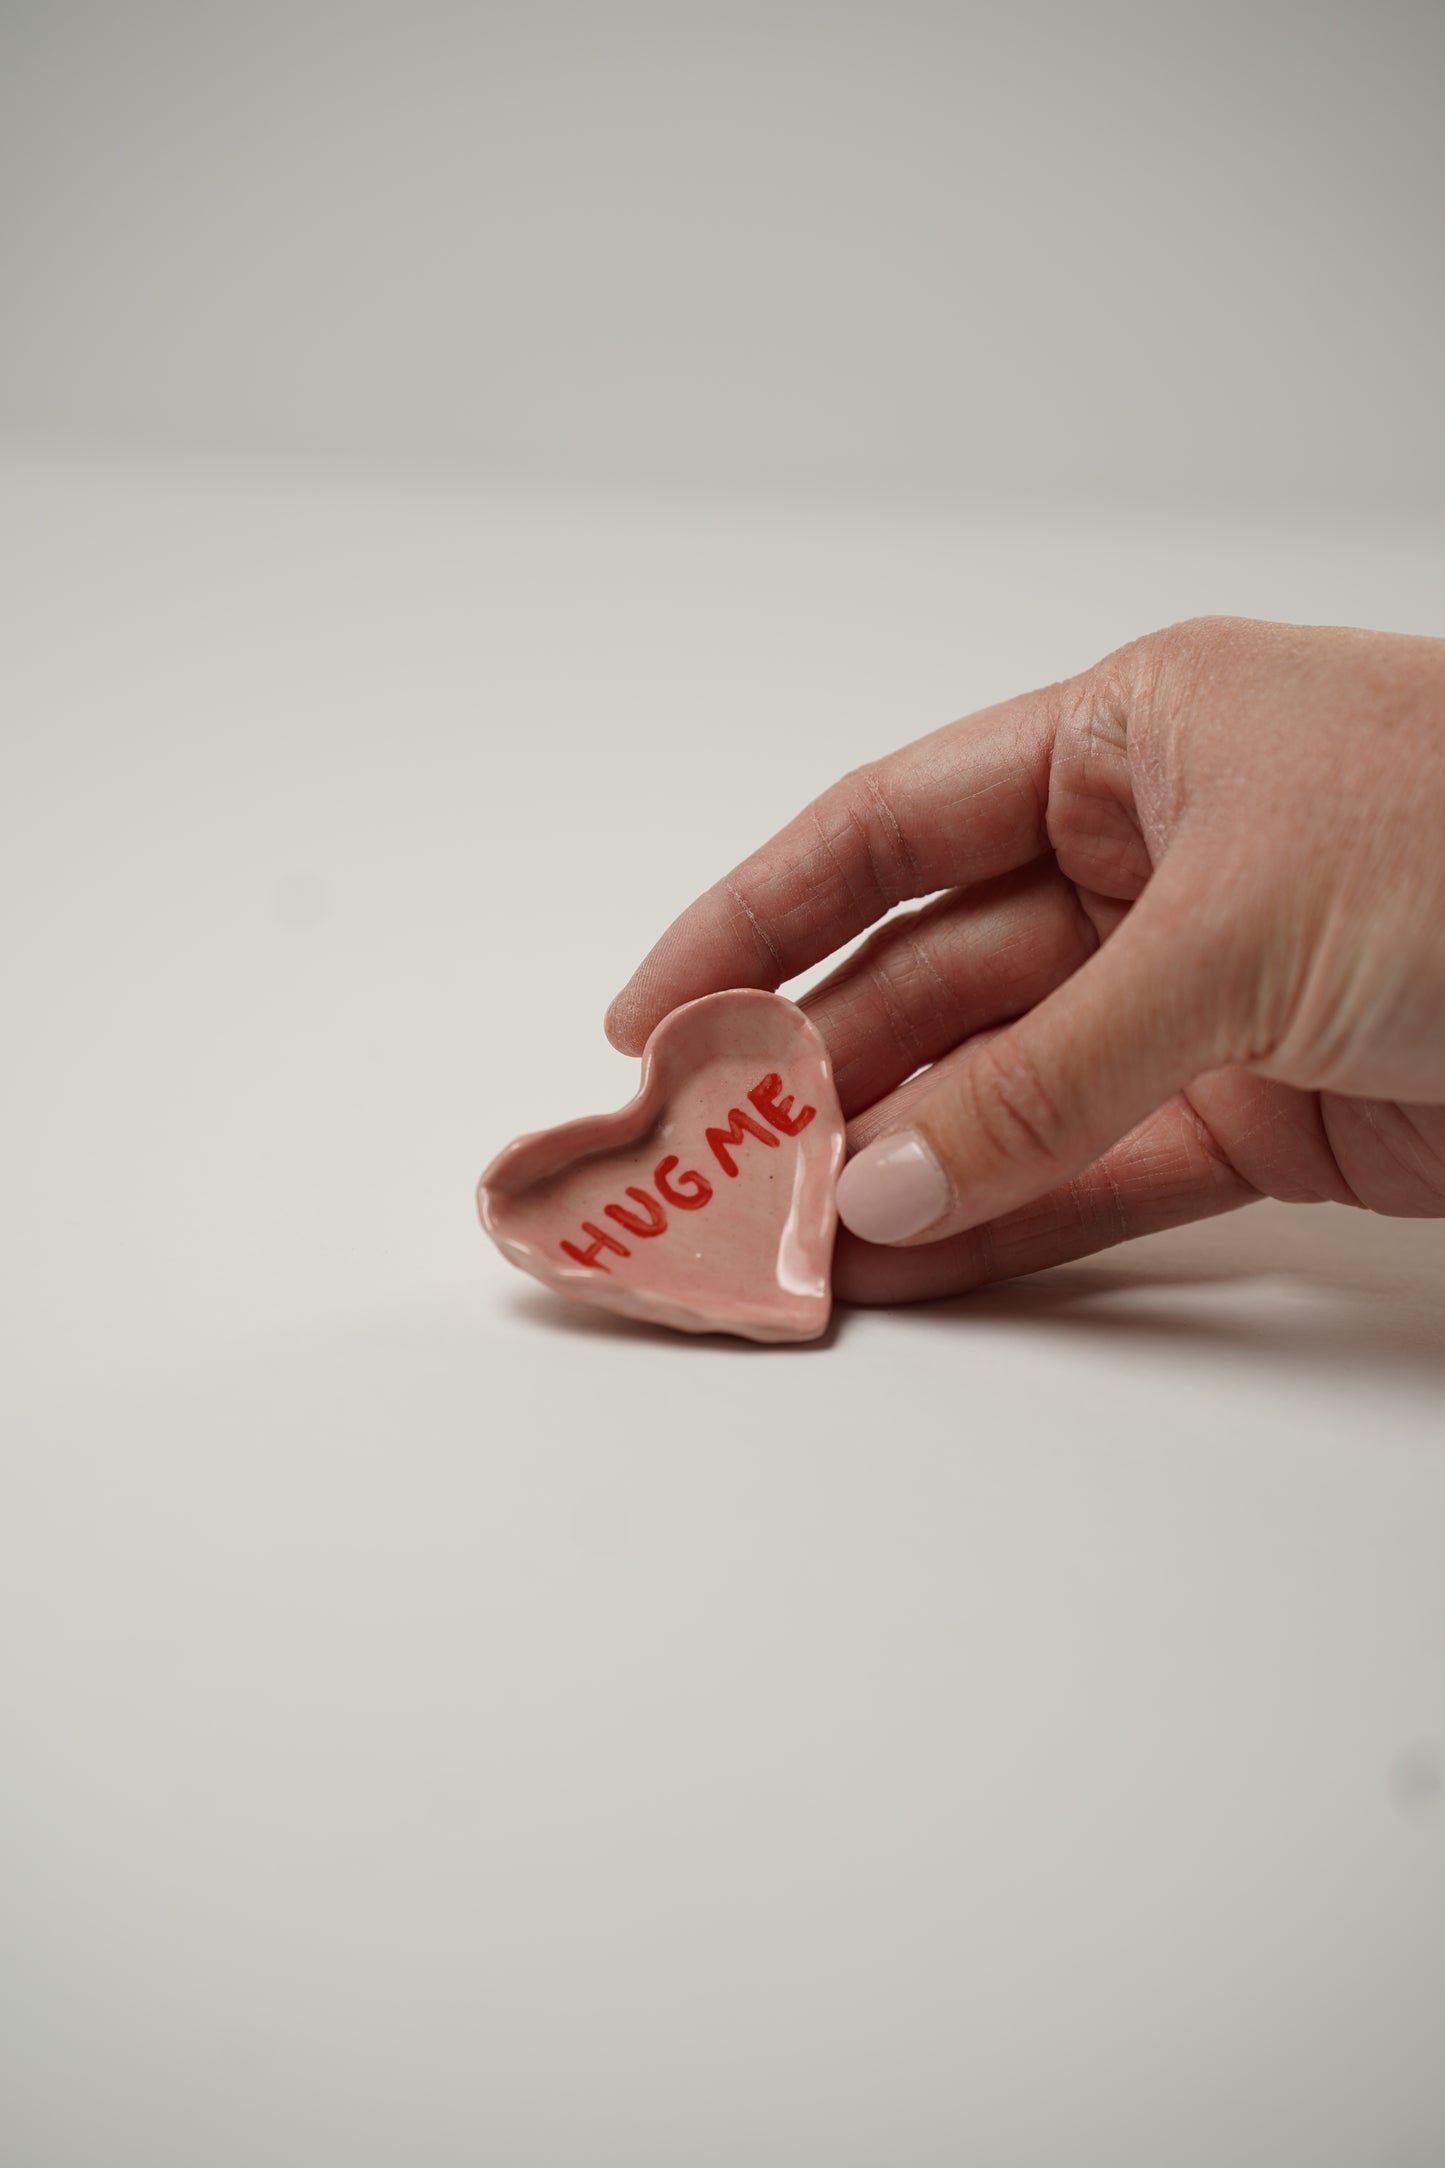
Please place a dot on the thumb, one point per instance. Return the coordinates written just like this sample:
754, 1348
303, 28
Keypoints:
1005, 1119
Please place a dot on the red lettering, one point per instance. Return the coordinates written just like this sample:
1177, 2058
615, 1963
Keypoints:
691, 1200
601, 1240
691, 1190
720, 1139
654, 1223
778, 1111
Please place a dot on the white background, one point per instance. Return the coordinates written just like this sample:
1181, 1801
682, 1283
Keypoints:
1094, 248
466, 477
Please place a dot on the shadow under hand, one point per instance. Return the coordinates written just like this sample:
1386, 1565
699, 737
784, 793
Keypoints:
1277, 1281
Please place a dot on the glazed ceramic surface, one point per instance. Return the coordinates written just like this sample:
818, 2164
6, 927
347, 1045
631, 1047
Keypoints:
707, 1203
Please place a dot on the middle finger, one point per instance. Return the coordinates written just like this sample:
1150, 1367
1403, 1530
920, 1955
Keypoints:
963, 963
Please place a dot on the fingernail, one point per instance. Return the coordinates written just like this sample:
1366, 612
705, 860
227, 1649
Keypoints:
893, 1189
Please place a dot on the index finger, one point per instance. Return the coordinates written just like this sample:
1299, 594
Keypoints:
960, 805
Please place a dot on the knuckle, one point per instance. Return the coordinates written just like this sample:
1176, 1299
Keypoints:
1099, 703
1016, 1106
1157, 672
866, 807
750, 926
892, 1018
926, 993
1183, 659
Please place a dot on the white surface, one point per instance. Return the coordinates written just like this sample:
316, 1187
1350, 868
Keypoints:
1128, 244
438, 1729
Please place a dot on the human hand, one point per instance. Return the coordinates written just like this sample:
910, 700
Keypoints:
1189, 951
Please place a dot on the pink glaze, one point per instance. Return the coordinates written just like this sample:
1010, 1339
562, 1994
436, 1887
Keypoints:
708, 1201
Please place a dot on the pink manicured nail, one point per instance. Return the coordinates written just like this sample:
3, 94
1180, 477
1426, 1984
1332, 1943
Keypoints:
893, 1189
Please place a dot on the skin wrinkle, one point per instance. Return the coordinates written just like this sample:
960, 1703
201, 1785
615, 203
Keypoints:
1105, 1183
764, 938
1111, 862
1039, 772
887, 888
816, 815
886, 892
808, 893
1134, 1151
1016, 1081
1421, 1165
1164, 684
1333, 1008
945, 996
1213, 1150
1269, 1121
1290, 1129
1302, 1117
1430, 1160
870, 984
895, 1015
1412, 1117
1090, 935
872, 783
910, 1043
1089, 823
1404, 1148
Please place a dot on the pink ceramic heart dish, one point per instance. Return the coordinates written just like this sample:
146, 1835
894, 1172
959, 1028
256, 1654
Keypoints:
708, 1202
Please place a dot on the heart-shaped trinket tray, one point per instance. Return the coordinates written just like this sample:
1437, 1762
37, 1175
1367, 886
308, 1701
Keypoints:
708, 1202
